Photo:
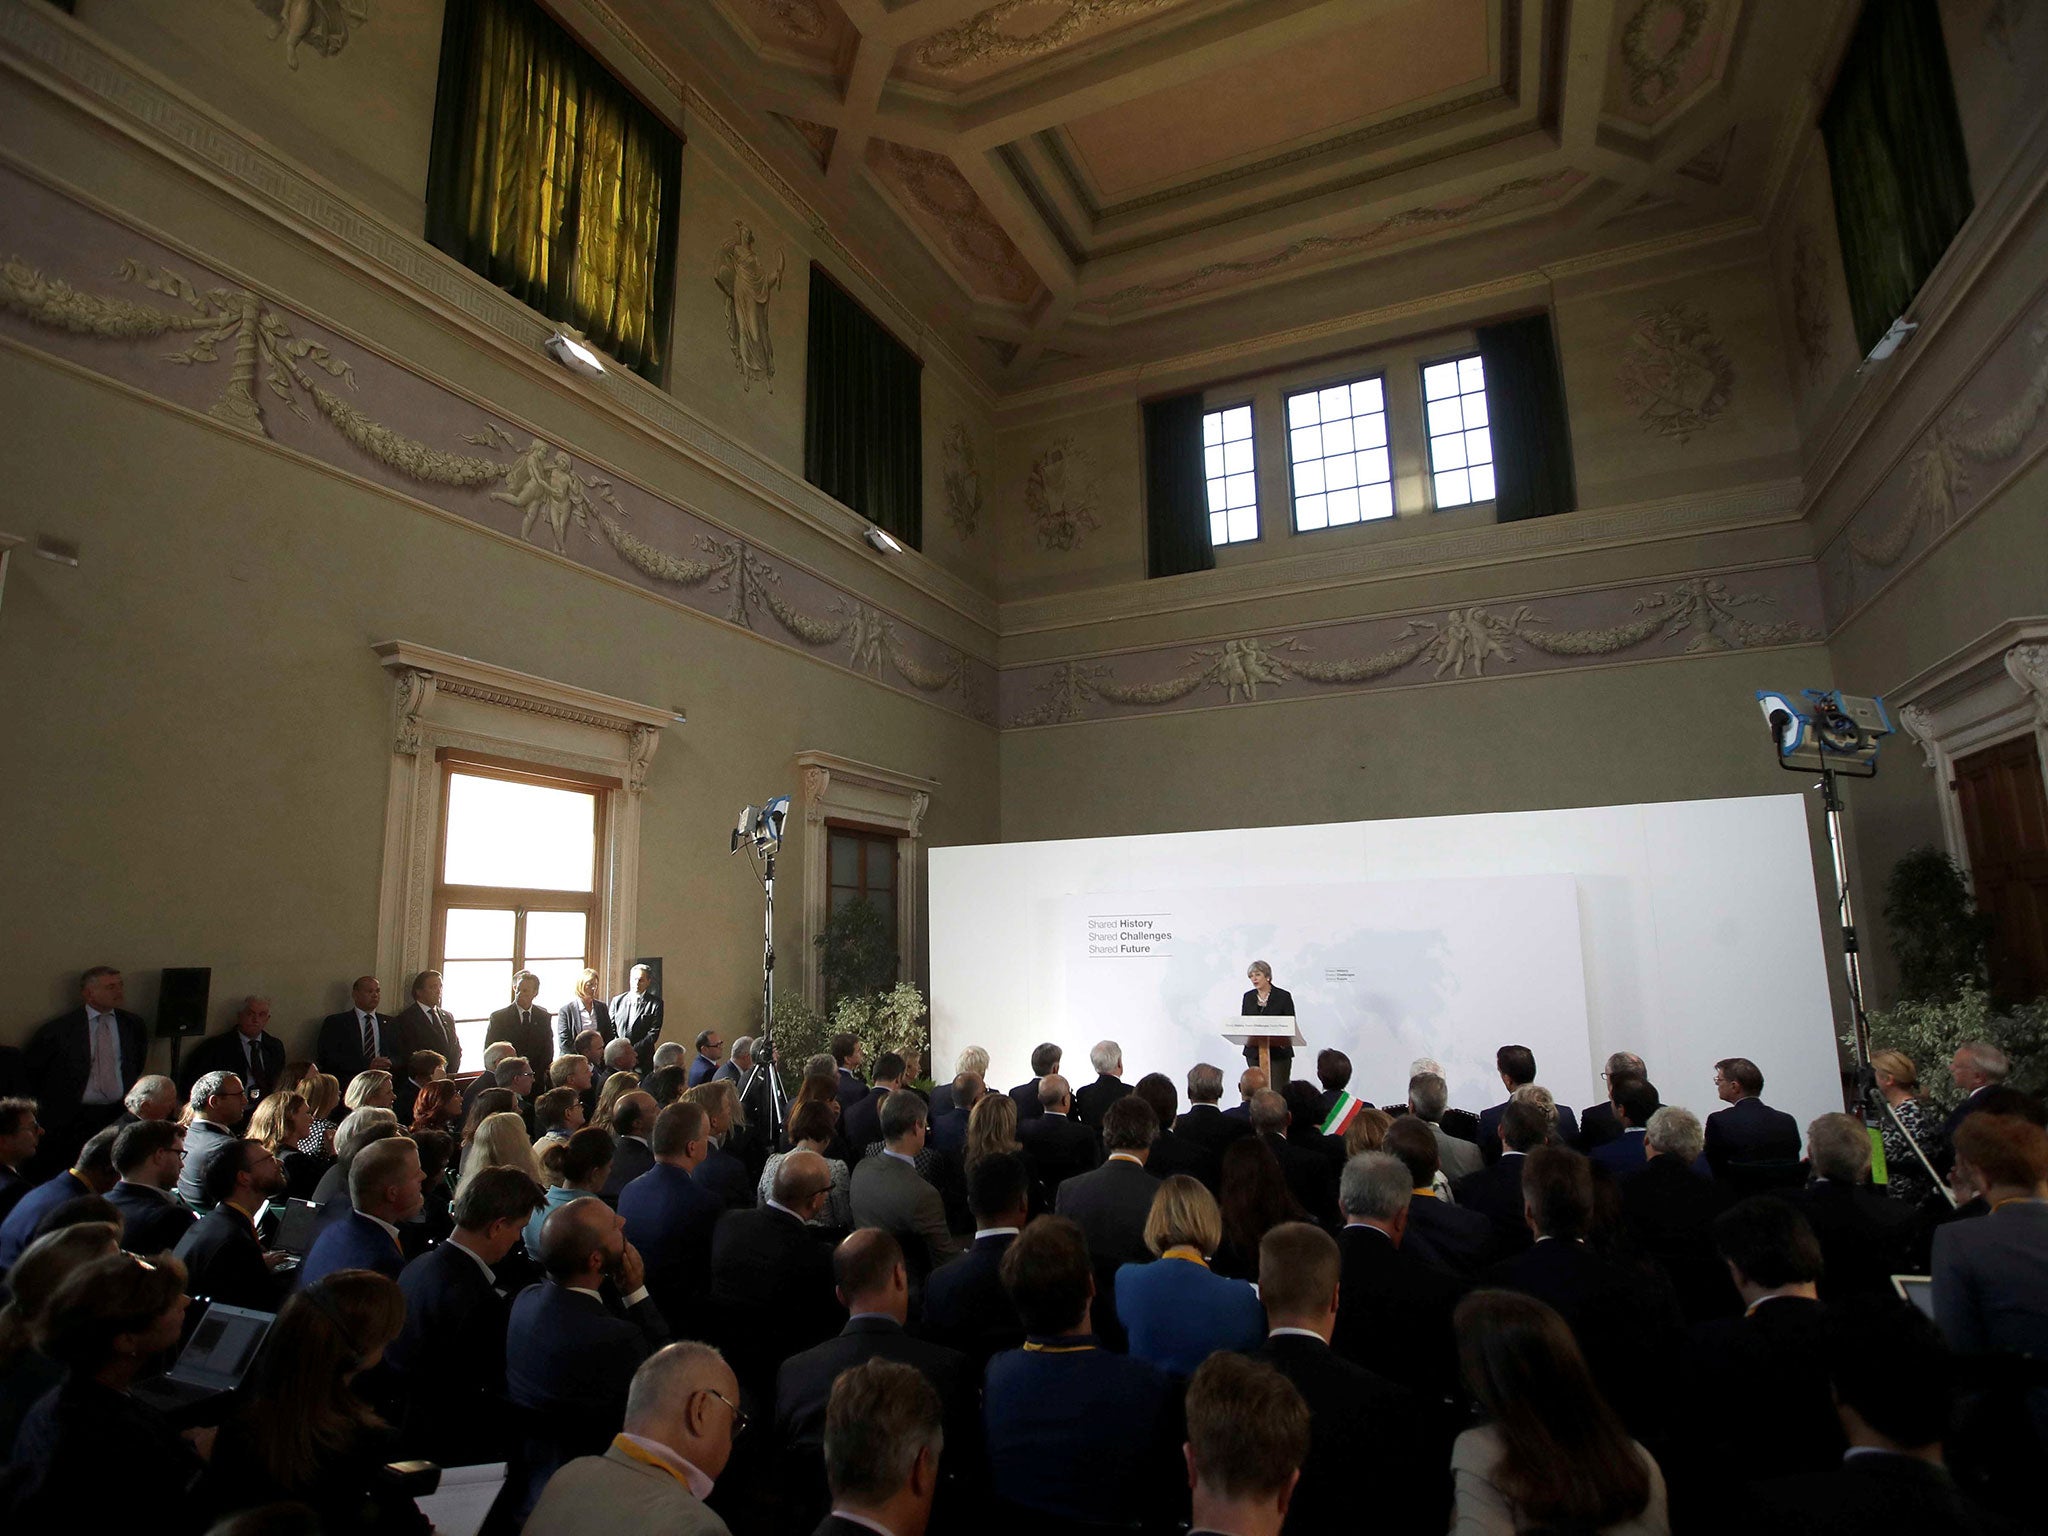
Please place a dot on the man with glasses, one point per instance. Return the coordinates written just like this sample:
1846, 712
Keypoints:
147, 1156
222, 1255
681, 1418
218, 1103
1598, 1125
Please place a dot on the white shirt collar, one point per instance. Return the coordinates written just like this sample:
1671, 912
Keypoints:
481, 1263
981, 1232
700, 1485
387, 1226
863, 1521
901, 1157
777, 1205
1305, 1333
1125, 1157
584, 1290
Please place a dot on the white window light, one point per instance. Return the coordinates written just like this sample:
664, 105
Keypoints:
574, 355
881, 541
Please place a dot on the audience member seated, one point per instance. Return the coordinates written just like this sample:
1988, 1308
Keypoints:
965, 1304
91, 1174
1620, 1314
106, 1325
384, 1188
668, 1054
323, 1103
1176, 1311
1428, 1097
1333, 1073
1113, 1204
557, 1115
862, 1118
1635, 1101
1893, 1383
681, 1415
26, 1373
357, 1132
771, 1292
303, 1433
1597, 1124
222, 1254
1248, 1436
1551, 1453
1495, 1192
670, 1217
154, 1097
1045, 1062
1864, 1238
1991, 1275
219, 1102
1517, 1067
883, 1439
1668, 1211
374, 1089
1761, 1399
1206, 1124
1171, 1151
421, 1069
247, 1049
1250, 1083
1311, 1176
616, 1057
576, 1170
500, 1141
1075, 1434
1364, 1431
448, 1361
1255, 1199
888, 1192
1056, 1145
147, 1156
1394, 1307
1748, 1139
280, 1123
1459, 1240
495, 1055
972, 1062
721, 1172
811, 1129
1976, 1066
1092, 1102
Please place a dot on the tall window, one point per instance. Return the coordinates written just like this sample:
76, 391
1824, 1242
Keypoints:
861, 866
1231, 470
1337, 455
516, 890
1460, 445
863, 424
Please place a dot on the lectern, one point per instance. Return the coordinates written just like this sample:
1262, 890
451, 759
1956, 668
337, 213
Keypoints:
1278, 1027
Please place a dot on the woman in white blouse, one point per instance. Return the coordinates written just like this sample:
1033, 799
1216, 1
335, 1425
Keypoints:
1552, 1453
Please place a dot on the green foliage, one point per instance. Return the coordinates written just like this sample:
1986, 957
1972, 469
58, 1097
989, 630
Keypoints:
801, 1032
856, 952
1930, 1031
1938, 936
885, 1021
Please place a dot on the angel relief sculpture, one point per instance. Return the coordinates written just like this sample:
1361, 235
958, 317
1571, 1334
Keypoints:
543, 484
747, 290
319, 24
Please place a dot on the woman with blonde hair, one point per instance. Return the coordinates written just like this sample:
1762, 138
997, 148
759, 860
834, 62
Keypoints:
1899, 1081
615, 1087
991, 1128
370, 1090
500, 1142
585, 1011
323, 1099
279, 1122
1176, 1311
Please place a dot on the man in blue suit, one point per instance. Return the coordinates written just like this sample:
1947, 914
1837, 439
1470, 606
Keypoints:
965, 1305
704, 1065
1635, 1101
1075, 1434
1748, 1130
449, 1359
147, 1155
92, 1174
848, 1055
1517, 1065
385, 1186
669, 1216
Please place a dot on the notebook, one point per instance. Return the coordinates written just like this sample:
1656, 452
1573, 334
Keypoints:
1918, 1289
214, 1360
297, 1227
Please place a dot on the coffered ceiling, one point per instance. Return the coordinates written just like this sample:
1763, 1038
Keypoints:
1114, 182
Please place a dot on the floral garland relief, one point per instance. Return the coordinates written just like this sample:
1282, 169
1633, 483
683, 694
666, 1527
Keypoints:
1674, 372
1653, 65
539, 481
1060, 494
1461, 644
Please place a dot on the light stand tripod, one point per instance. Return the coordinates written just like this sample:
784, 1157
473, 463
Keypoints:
760, 833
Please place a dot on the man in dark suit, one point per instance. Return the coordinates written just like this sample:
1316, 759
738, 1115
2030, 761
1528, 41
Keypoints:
81, 1063
1597, 1124
1760, 1393
1460, 1240
218, 1101
848, 1057
704, 1065
883, 1433
1311, 1176
1748, 1131
949, 1125
449, 1360
1365, 1431
147, 1156
1250, 1083
1495, 1192
1991, 1273
426, 1026
524, 1024
1636, 1104
1264, 1000
1056, 1145
722, 1172
669, 1216
1112, 1203
1668, 1211
222, 1255
1045, 1062
1205, 1125
1976, 1066
1173, 1152
1100, 1467
1517, 1066
385, 1187
633, 1119
91, 1173
965, 1305
1865, 1237
21, 1133
888, 1190
771, 1290
359, 1039
1393, 1307
248, 1050
861, 1121
569, 1354
1333, 1072
1092, 1102
636, 1015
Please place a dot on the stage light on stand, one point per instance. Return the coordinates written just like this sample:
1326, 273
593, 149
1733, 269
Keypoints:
1819, 730
759, 831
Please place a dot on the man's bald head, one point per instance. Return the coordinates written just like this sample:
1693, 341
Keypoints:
802, 1180
580, 1239
684, 1397
1249, 1082
1054, 1093
869, 1272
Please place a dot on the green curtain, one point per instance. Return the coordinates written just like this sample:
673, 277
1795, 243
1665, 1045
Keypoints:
1176, 488
863, 420
553, 180
1532, 437
1895, 153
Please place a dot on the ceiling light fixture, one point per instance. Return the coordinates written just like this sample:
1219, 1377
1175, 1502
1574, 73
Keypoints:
1893, 339
574, 355
881, 541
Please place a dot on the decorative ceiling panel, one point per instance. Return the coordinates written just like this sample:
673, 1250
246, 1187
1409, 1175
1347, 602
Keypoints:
947, 211
816, 136
1665, 53
1016, 33
816, 29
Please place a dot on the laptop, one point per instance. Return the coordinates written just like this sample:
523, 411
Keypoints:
213, 1362
297, 1227
1918, 1289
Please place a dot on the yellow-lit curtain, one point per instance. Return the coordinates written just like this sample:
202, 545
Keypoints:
551, 179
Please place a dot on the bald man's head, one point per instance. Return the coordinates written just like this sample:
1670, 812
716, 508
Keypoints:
868, 1270
1054, 1093
686, 1398
581, 1240
802, 1180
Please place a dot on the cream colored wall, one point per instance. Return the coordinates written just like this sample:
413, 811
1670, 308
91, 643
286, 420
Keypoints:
1997, 53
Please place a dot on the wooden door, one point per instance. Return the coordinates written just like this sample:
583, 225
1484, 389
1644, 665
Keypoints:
2005, 826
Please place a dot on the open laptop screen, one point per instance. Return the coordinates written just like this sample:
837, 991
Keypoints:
222, 1347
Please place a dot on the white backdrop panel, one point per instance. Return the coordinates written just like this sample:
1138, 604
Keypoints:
1699, 937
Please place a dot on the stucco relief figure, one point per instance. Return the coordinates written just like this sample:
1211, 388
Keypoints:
542, 484
1674, 371
962, 480
1060, 498
321, 25
747, 290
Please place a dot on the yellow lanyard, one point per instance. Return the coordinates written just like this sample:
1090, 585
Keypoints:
633, 1452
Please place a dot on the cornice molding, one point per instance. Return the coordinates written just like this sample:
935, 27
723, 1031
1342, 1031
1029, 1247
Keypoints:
1372, 561
56, 54
493, 684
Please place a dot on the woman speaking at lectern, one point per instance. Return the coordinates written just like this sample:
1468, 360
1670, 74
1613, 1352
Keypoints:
1265, 998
